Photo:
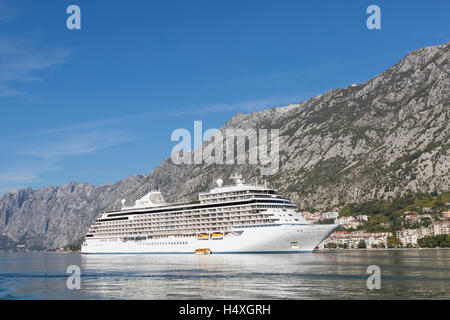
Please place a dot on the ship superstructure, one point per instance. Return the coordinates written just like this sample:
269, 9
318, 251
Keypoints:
228, 219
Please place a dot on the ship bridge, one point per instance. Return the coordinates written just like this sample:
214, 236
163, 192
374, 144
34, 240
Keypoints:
239, 191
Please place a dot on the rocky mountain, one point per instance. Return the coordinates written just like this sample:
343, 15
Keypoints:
55, 216
376, 140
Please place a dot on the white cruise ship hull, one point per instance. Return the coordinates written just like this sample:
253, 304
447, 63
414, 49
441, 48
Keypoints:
292, 238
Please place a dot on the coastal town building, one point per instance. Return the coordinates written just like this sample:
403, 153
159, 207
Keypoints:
353, 239
312, 217
330, 215
344, 220
362, 217
411, 236
441, 228
417, 217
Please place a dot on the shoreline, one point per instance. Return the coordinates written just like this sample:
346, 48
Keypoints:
377, 249
315, 251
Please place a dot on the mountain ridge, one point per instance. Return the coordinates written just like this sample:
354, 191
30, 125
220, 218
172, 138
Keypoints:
375, 140
315, 112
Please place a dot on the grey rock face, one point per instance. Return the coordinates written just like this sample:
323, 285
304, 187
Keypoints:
384, 138
55, 216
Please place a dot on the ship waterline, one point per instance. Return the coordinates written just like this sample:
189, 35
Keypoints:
231, 219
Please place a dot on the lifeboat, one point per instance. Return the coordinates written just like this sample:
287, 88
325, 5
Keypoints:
203, 251
203, 236
217, 235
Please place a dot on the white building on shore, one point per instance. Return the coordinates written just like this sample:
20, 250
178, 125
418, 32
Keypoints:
352, 239
330, 215
411, 236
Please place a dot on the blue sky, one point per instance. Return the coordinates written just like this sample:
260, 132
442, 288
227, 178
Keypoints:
98, 104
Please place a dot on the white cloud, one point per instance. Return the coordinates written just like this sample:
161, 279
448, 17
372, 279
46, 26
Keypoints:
19, 63
45, 152
246, 106
75, 144
24, 173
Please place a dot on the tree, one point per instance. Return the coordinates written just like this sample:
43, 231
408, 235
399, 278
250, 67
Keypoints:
442, 241
426, 222
362, 244
331, 245
393, 242
326, 221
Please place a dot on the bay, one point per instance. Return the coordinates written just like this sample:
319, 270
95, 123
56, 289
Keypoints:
405, 274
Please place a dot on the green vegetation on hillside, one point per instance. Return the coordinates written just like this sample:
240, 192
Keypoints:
441, 241
386, 216
393, 242
7, 244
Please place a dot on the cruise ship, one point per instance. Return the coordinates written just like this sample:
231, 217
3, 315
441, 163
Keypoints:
238, 218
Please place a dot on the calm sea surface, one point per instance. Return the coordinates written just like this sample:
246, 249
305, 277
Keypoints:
405, 274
